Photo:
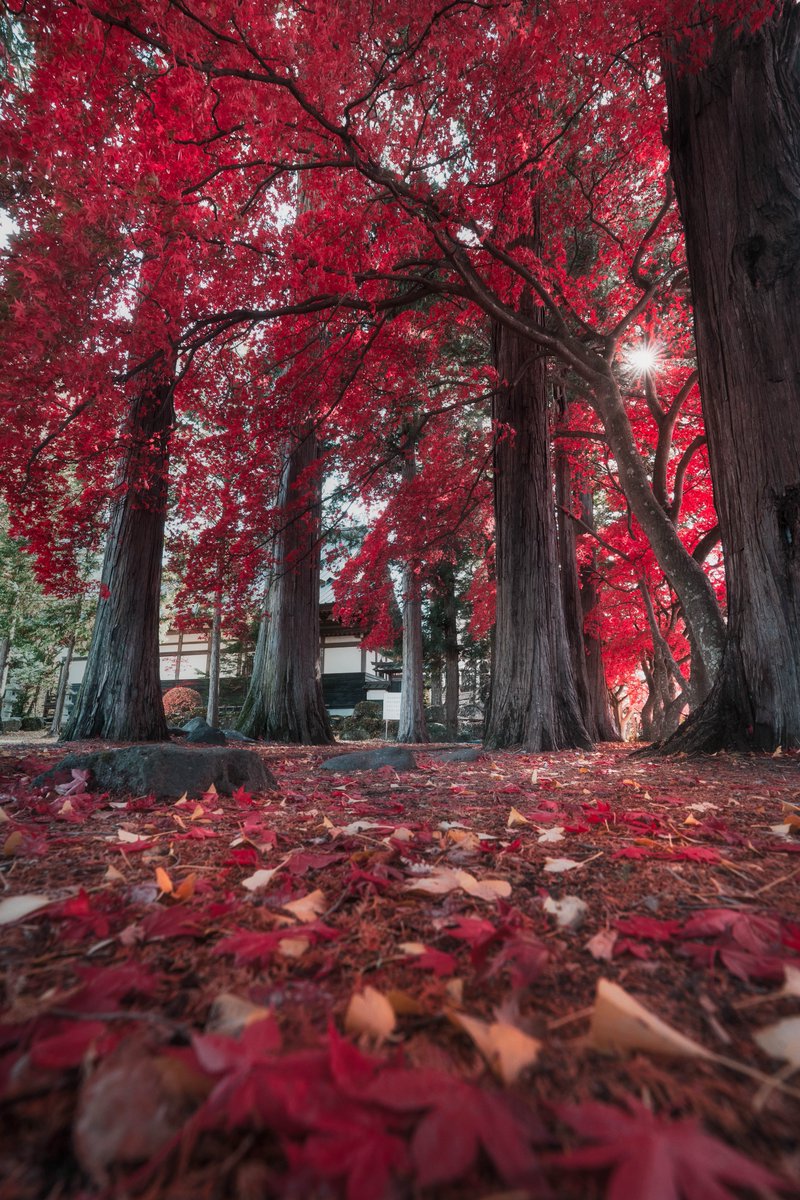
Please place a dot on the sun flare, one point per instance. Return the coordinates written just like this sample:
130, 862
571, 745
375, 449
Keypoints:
644, 358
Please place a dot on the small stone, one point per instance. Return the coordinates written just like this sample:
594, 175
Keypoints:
370, 760
233, 735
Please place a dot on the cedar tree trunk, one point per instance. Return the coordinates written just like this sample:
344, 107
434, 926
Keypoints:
599, 699
120, 697
284, 701
413, 726
532, 699
212, 708
61, 690
436, 684
735, 148
5, 647
571, 589
452, 683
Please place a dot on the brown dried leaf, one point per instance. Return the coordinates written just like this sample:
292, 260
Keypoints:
620, 1023
307, 908
515, 818
370, 1014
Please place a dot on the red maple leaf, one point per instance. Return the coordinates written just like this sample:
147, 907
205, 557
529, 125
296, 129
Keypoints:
654, 1159
459, 1120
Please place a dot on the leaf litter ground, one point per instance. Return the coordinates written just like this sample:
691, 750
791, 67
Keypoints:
565, 974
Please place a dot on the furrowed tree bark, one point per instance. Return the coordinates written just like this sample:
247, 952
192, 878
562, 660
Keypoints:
735, 150
452, 682
63, 678
599, 699
284, 702
120, 697
571, 589
413, 724
533, 703
212, 708
5, 649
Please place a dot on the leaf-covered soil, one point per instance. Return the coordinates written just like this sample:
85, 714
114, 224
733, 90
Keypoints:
382, 985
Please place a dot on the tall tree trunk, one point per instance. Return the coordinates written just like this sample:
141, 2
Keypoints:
532, 701
452, 683
212, 708
120, 697
437, 694
571, 589
413, 726
5, 649
284, 702
605, 722
63, 683
735, 147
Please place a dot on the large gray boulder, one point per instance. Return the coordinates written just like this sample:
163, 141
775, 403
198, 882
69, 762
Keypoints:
164, 770
207, 735
370, 760
468, 754
195, 723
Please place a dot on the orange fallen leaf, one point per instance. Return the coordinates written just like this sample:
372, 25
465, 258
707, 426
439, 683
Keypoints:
185, 889
404, 1004
507, 1049
12, 844
291, 947
164, 882
308, 907
515, 818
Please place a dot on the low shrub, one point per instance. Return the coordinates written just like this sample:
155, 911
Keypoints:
182, 703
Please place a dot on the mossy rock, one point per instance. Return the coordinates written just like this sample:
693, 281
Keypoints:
166, 770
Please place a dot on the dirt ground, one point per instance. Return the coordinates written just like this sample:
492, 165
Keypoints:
423, 984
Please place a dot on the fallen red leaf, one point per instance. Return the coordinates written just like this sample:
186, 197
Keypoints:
654, 1159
